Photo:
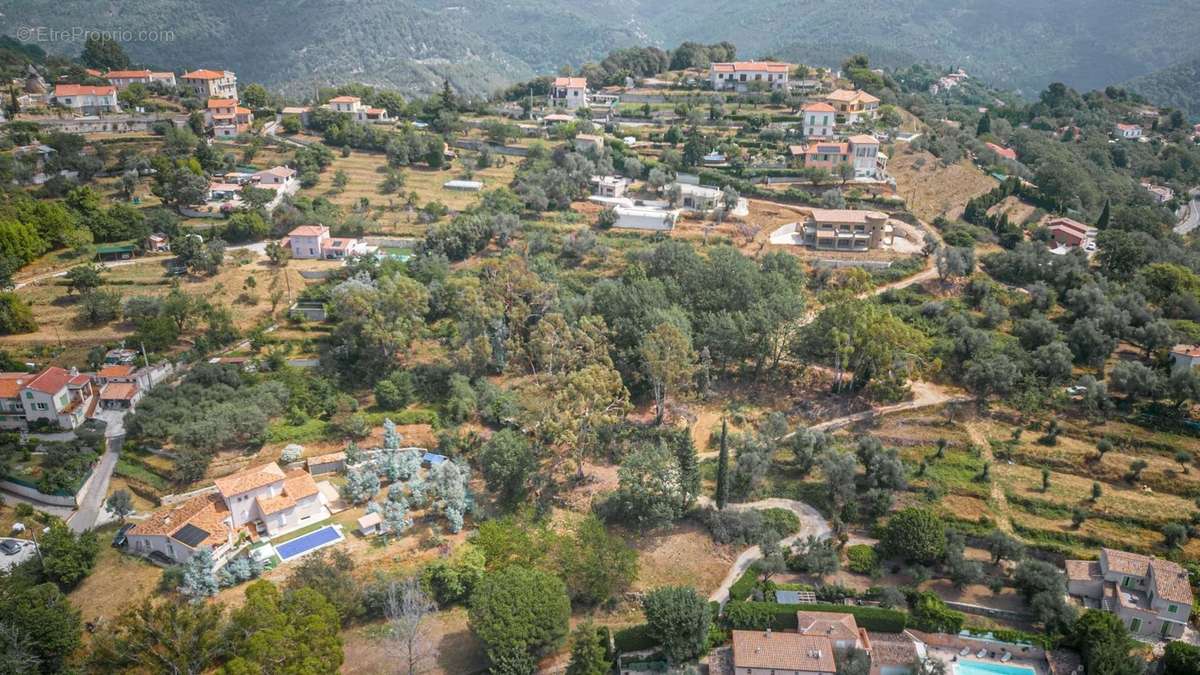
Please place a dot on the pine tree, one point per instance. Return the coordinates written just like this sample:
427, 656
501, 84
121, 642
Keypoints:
985, 125
1104, 216
588, 653
723, 468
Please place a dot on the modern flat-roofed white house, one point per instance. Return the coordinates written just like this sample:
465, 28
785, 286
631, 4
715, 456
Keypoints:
208, 84
820, 120
1152, 596
84, 99
645, 218
835, 230
354, 107
610, 186
569, 92
740, 75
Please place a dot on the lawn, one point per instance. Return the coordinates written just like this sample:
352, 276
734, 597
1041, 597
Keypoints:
117, 581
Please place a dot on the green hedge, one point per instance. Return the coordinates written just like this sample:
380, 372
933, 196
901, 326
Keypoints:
761, 615
634, 638
744, 586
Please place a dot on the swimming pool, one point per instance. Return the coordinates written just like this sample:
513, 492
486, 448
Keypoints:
968, 667
312, 541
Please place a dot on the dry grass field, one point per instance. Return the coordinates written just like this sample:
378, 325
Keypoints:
932, 189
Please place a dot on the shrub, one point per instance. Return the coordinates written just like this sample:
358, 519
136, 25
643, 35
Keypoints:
932, 615
862, 559
744, 586
634, 638
762, 615
914, 534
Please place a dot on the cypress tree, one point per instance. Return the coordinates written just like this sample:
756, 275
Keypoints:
723, 469
985, 125
1104, 216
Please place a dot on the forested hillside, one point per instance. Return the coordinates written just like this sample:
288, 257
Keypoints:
1178, 86
411, 44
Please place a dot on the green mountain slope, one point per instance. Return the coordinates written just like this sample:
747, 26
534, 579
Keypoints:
1178, 86
480, 44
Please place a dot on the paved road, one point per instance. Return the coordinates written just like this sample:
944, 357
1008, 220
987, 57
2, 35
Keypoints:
1191, 215
812, 523
91, 505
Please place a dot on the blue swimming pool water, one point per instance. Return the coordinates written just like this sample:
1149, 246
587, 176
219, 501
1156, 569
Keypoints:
967, 667
302, 545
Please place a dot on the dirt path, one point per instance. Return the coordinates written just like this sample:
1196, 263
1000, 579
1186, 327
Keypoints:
812, 523
258, 248
998, 498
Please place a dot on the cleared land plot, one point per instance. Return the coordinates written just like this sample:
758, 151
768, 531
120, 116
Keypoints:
933, 189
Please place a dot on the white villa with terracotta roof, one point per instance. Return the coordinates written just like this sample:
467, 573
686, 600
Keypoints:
226, 118
63, 397
121, 79
569, 92
261, 500
740, 75
853, 105
1185, 357
208, 84
1152, 596
353, 106
772, 653
313, 242
860, 151
85, 99
820, 120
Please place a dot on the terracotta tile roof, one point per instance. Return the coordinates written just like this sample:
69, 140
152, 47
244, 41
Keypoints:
345, 99
571, 82
222, 103
309, 231
299, 484
79, 380
11, 384
1123, 562
818, 107
269, 505
249, 479
83, 90
327, 459
50, 381
119, 391
892, 649
782, 651
1186, 350
1069, 224
863, 139
1007, 153
833, 625
1171, 581
114, 370
1083, 570
127, 74
207, 512
752, 66
850, 96
204, 75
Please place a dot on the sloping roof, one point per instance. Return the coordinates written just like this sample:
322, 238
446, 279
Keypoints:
833, 625
205, 512
203, 74
11, 384
1123, 562
1186, 350
345, 99
83, 90
309, 231
249, 479
327, 459
1171, 581
818, 107
281, 171
274, 504
222, 103
127, 74
1083, 570
50, 381
752, 66
299, 484
370, 520
782, 651
850, 96
571, 82
191, 535
116, 370
1069, 224
863, 139
1007, 153
119, 391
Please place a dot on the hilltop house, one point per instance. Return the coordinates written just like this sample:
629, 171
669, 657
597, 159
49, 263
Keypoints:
208, 84
772, 653
835, 230
1152, 596
1161, 193
274, 177
313, 242
65, 398
226, 118
86, 99
820, 119
179, 531
121, 79
569, 92
739, 75
1185, 357
703, 200
861, 152
1127, 132
353, 106
853, 105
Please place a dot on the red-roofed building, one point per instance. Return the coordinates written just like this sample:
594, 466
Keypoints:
1128, 131
85, 99
354, 107
569, 92
208, 84
1183, 357
226, 118
741, 75
820, 119
1070, 233
123, 78
1006, 153
65, 398
314, 242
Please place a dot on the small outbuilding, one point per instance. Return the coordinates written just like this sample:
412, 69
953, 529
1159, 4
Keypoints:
370, 524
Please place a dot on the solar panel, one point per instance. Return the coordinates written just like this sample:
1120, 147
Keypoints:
190, 535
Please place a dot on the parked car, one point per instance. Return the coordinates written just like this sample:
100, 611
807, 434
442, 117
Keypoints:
120, 538
10, 547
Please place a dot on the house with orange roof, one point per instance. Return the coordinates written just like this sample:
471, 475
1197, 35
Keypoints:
178, 531
860, 152
206, 84
742, 75
354, 107
226, 119
1069, 233
820, 119
121, 79
270, 500
1001, 151
1185, 357
1152, 596
1129, 132
853, 105
840, 628
569, 93
66, 398
313, 242
85, 99
772, 653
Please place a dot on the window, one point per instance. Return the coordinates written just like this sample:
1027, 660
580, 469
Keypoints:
1127, 582
1172, 608
1135, 625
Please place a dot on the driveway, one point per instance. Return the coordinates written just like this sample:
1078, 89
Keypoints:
27, 551
91, 511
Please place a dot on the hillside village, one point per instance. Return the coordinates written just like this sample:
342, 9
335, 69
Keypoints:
673, 362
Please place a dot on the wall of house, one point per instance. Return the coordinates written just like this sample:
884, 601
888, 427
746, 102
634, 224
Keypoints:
164, 544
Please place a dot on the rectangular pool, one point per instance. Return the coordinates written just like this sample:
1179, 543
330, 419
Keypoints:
968, 667
312, 541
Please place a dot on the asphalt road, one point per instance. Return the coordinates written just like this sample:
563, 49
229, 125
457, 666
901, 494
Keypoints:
92, 503
1191, 219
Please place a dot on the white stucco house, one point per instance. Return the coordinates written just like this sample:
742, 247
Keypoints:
356, 110
740, 75
313, 242
208, 84
84, 99
66, 398
569, 93
820, 120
